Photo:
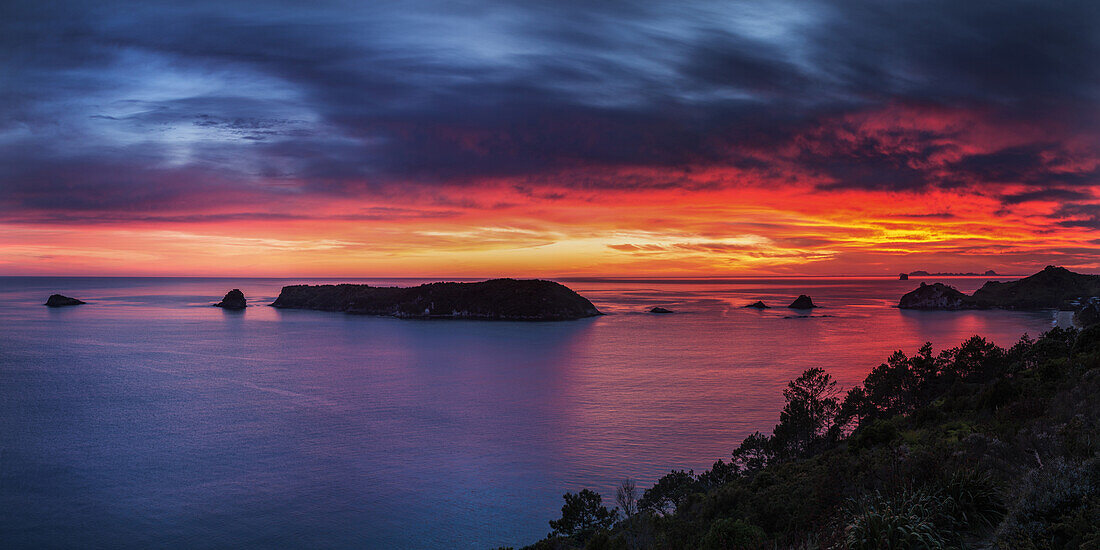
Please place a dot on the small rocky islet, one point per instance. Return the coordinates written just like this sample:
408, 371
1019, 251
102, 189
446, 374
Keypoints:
233, 300
802, 302
58, 300
540, 300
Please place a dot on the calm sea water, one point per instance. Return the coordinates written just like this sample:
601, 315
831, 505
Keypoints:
148, 418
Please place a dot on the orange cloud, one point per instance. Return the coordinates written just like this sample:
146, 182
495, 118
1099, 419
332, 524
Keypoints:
790, 211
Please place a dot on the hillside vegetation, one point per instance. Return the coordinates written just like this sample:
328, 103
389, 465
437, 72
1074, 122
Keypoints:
977, 446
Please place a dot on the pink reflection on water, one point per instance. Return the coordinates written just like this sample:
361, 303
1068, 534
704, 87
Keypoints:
361, 427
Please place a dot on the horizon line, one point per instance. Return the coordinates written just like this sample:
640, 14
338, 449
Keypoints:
549, 277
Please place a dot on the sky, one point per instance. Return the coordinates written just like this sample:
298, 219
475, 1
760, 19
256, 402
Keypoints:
548, 138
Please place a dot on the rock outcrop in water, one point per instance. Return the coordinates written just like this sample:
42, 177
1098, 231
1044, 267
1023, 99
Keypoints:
1053, 287
937, 296
802, 302
903, 277
758, 305
660, 309
505, 299
57, 300
234, 299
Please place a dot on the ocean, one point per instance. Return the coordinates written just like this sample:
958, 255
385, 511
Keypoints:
148, 418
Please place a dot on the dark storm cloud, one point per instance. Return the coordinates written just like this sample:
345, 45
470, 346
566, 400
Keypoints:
1045, 169
1012, 164
75, 187
1058, 195
894, 159
1078, 215
1015, 52
182, 103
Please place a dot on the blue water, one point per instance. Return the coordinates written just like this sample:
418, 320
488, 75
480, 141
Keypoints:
147, 418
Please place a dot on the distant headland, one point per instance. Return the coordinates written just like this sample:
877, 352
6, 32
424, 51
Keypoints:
496, 299
920, 273
1053, 287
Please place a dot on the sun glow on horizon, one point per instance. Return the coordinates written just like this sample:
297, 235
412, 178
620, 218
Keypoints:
737, 231
701, 139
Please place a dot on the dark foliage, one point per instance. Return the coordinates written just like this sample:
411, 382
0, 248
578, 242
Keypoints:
669, 492
977, 446
583, 515
807, 416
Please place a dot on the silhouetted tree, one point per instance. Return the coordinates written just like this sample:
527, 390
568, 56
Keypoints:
891, 387
898, 386
853, 410
926, 367
627, 497
669, 491
753, 454
808, 414
583, 514
718, 475
977, 359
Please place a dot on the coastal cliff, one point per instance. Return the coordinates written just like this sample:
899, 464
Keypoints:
503, 299
1052, 287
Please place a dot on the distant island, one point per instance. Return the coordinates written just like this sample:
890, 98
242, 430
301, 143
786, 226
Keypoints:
1053, 287
496, 299
920, 273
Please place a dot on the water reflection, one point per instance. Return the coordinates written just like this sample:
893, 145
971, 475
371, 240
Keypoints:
150, 418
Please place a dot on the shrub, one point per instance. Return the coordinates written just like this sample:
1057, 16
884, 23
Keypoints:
972, 499
904, 521
730, 534
1052, 497
877, 432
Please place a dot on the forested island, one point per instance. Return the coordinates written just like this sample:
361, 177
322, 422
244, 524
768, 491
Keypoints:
977, 446
499, 299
